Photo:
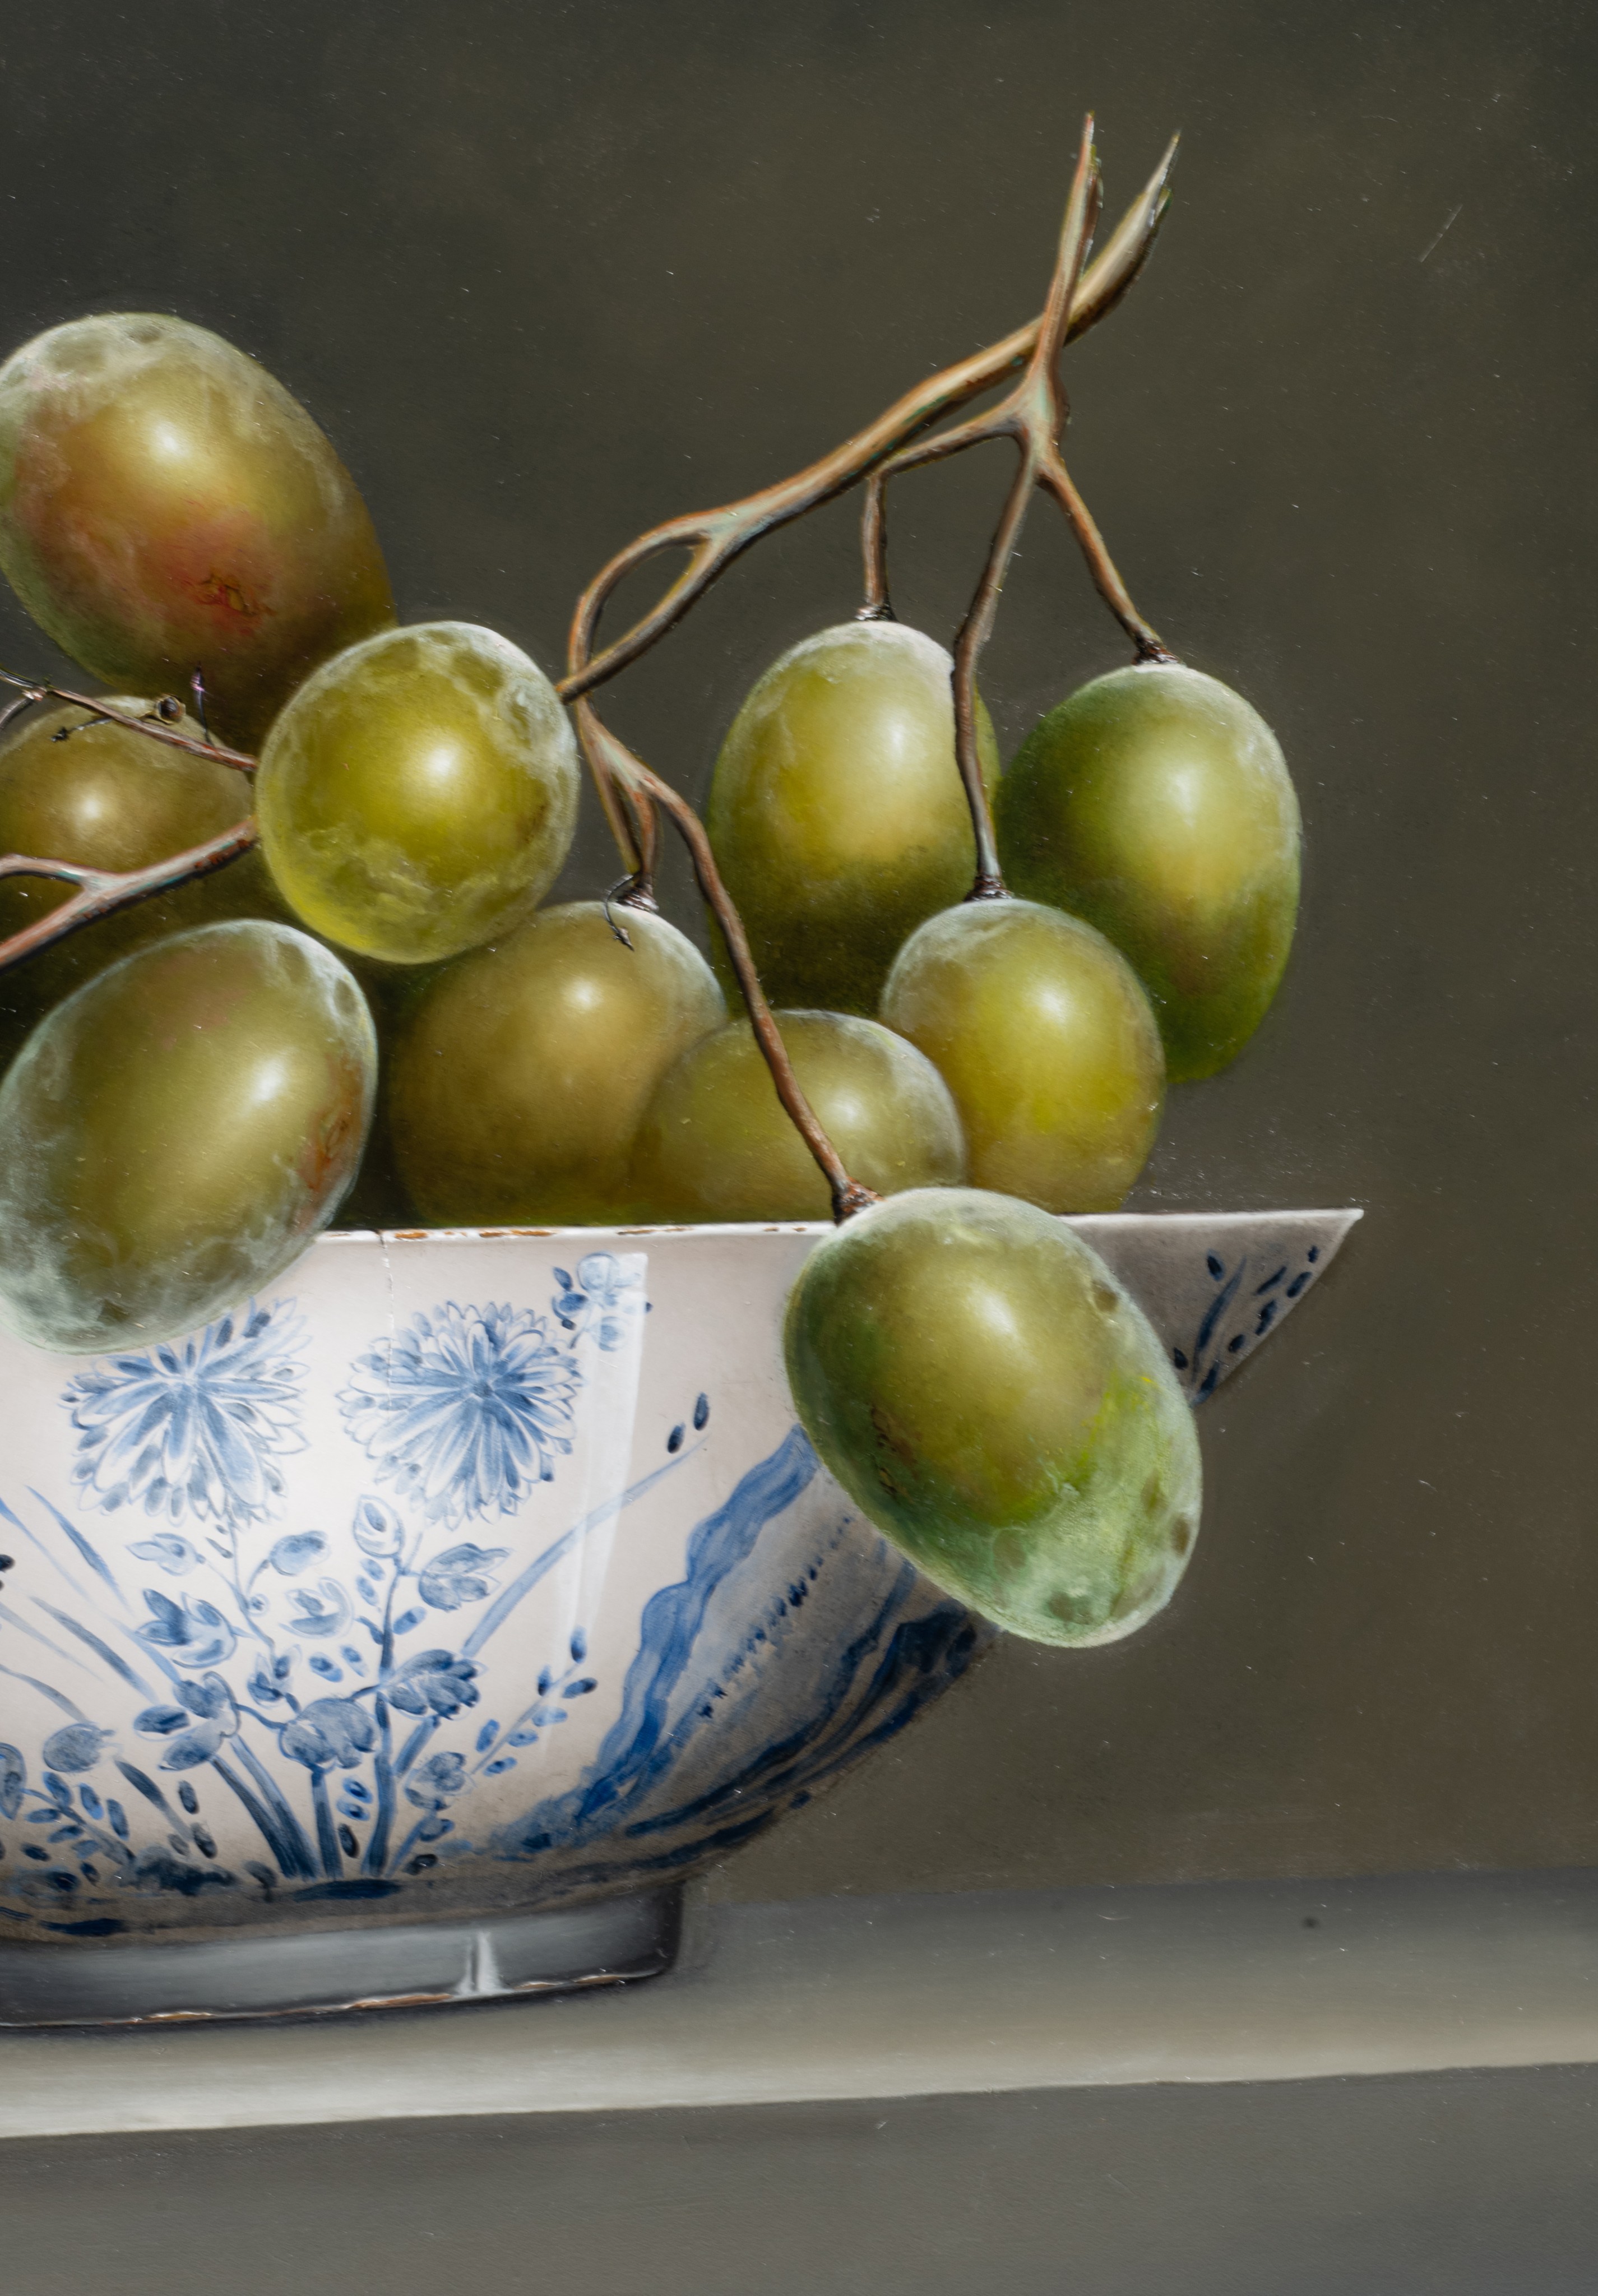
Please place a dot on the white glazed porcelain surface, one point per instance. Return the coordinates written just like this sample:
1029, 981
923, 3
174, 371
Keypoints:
470, 1573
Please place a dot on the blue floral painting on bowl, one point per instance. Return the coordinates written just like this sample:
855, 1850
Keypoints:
336, 1700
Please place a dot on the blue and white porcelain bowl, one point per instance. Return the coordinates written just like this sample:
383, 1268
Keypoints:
412, 1631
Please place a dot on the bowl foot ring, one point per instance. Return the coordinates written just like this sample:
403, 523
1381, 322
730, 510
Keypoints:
423, 1964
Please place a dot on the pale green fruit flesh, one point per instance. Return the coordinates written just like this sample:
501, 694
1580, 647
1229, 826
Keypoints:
166, 506
521, 1073
110, 798
1156, 803
1044, 1036
418, 795
837, 813
990, 1395
717, 1145
174, 1135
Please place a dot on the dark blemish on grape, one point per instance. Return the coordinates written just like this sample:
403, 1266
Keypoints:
701, 1413
1104, 1299
1271, 1281
673, 1441
1181, 1534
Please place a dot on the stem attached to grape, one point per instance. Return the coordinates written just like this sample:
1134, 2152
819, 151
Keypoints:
633, 776
716, 537
629, 793
101, 892
1033, 415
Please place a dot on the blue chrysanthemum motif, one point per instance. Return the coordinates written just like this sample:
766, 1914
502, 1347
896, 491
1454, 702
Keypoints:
465, 1409
196, 1428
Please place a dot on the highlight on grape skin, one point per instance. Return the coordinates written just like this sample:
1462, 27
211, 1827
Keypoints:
165, 503
836, 810
993, 1399
714, 1144
418, 795
174, 1135
109, 797
520, 1073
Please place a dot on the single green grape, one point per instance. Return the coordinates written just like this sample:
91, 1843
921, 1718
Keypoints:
716, 1143
110, 798
992, 1399
522, 1071
166, 506
1156, 803
837, 813
174, 1135
418, 795
1047, 1041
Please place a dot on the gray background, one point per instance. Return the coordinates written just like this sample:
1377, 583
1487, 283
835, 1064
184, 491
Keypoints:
548, 274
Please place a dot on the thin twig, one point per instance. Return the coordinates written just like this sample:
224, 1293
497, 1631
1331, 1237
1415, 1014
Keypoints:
716, 537
1032, 414
31, 691
631, 774
101, 892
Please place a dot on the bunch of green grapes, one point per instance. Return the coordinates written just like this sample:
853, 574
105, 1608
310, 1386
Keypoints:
374, 1010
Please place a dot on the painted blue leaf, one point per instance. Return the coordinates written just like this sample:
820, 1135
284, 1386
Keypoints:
378, 1530
91, 1801
193, 1746
673, 1441
487, 1735
290, 1555
325, 1668
578, 1646
461, 1574
407, 1621
502, 1762
435, 1682
58, 1790
195, 1632
189, 1798
75, 1747
118, 1816
169, 1552
526, 1736
580, 1688
563, 1279
432, 1828
353, 1656
322, 1613
330, 1731
13, 1779
701, 1413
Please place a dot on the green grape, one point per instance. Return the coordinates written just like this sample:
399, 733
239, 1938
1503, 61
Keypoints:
1041, 1032
1155, 803
174, 1135
164, 505
112, 800
716, 1143
990, 1395
522, 1071
837, 813
418, 795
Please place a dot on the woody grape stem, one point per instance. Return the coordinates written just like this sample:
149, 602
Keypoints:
635, 776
